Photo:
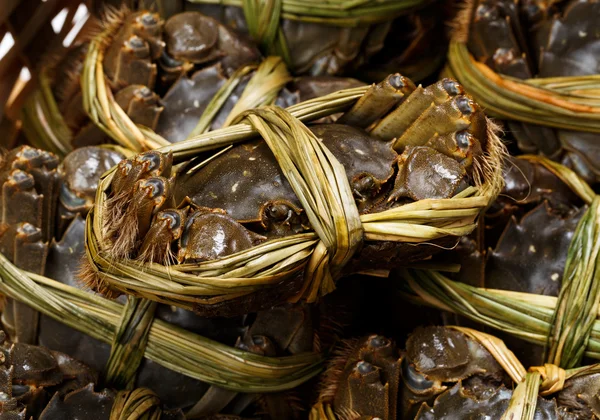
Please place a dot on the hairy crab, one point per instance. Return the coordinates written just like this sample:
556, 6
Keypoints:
399, 144
280, 331
38, 383
524, 244
164, 75
526, 39
341, 47
443, 373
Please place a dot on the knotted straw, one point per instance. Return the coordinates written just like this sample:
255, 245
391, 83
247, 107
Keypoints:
569, 324
321, 185
571, 103
269, 77
138, 404
539, 380
167, 345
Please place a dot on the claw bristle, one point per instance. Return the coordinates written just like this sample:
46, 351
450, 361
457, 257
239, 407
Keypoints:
335, 367
488, 169
460, 26
90, 278
114, 208
112, 20
159, 253
346, 413
125, 237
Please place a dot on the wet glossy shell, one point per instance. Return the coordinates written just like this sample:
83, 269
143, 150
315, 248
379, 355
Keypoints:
247, 177
240, 181
360, 153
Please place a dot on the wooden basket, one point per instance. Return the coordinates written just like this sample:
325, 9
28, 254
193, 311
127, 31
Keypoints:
29, 31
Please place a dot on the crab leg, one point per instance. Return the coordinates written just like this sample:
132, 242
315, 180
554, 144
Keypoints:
378, 100
166, 228
448, 117
400, 119
141, 104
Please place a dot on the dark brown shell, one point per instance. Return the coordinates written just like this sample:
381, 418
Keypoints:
247, 178
240, 181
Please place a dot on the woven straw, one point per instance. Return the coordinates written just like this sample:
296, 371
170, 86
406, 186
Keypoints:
571, 103
539, 380
322, 254
567, 325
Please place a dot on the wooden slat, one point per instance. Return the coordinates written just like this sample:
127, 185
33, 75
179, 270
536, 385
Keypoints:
8, 80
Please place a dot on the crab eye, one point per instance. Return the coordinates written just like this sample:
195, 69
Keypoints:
172, 217
278, 211
155, 186
378, 341
144, 92
452, 87
464, 105
364, 367
28, 153
364, 184
136, 42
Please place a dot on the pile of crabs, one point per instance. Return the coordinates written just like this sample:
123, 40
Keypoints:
399, 142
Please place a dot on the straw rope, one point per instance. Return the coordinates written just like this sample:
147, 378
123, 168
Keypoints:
333, 12
320, 183
537, 381
569, 324
139, 404
191, 286
172, 347
570, 103
129, 343
269, 77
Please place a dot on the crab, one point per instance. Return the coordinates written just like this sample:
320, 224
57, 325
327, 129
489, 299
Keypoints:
524, 243
128, 59
248, 199
37, 383
284, 330
340, 49
534, 38
371, 377
79, 173
187, 99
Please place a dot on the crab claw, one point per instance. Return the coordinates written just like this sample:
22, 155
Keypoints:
150, 195
425, 173
130, 171
365, 378
378, 100
128, 59
167, 227
209, 236
141, 105
461, 146
448, 117
133, 65
420, 99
